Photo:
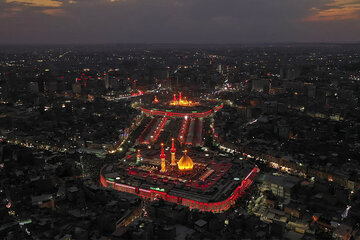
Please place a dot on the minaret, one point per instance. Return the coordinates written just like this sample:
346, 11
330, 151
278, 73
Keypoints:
174, 98
173, 151
138, 157
162, 157
180, 98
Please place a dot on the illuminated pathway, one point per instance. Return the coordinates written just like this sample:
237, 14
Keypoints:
136, 213
194, 134
150, 127
155, 134
132, 128
152, 131
183, 130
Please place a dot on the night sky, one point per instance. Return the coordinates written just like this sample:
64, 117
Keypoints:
178, 21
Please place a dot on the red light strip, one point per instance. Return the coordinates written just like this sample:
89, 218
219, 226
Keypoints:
145, 132
158, 129
202, 206
197, 140
183, 130
145, 135
174, 114
190, 133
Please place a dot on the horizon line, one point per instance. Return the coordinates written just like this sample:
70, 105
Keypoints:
189, 43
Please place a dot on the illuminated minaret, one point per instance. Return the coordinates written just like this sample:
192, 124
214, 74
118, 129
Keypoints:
138, 157
173, 151
162, 157
180, 98
174, 98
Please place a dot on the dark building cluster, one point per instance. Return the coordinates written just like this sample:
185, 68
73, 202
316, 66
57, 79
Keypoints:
182, 142
47, 195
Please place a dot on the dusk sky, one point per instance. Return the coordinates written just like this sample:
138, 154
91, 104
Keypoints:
178, 21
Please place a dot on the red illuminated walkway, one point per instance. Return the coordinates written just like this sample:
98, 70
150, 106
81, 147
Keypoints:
155, 135
194, 134
183, 130
152, 130
149, 127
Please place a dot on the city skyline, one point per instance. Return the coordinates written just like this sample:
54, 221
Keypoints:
235, 142
180, 119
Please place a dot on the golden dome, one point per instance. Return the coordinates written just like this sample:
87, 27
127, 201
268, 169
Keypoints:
185, 163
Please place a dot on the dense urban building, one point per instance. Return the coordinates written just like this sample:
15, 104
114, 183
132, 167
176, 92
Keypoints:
180, 142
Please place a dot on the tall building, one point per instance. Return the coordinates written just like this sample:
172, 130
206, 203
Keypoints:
51, 86
106, 81
287, 73
260, 85
311, 91
33, 87
76, 87
219, 69
280, 186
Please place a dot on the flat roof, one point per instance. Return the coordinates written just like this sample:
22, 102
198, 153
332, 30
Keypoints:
225, 177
